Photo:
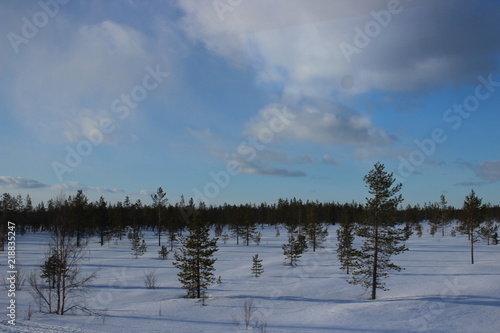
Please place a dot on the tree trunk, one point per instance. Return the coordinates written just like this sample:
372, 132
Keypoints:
198, 280
471, 236
63, 300
59, 296
375, 264
159, 225
314, 238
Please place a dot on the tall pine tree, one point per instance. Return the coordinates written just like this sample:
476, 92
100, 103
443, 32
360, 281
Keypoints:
315, 232
195, 259
472, 217
382, 238
159, 202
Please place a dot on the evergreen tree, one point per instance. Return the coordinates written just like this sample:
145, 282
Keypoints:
102, 219
236, 231
172, 238
163, 253
257, 268
195, 259
438, 215
434, 218
315, 232
51, 268
345, 252
159, 201
218, 230
487, 230
79, 206
472, 217
248, 232
443, 207
382, 238
294, 248
138, 243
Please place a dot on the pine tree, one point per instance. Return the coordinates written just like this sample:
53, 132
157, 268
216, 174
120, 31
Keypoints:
248, 232
159, 201
102, 219
78, 208
195, 259
487, 230
434, 218
315, 232
51, 268
139, 246
236, 231
345, 251
444, 220
472, 217
257, 268
163, 253
294, 248
172, 238
382, 238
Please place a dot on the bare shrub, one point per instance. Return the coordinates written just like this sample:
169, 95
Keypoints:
150, 279
59, 286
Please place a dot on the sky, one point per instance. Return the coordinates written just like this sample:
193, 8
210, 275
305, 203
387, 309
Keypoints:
239, 101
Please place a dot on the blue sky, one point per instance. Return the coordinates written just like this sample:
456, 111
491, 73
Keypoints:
249, 101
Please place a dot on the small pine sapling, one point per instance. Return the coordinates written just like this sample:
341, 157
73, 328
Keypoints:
257, 268
163, 253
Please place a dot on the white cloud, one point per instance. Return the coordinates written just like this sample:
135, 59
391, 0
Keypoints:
145, 192
14, 183
321, 122
260, 167
268, 155
20, 183
62, 89
297, 43
75, 186
327, 159
202, 134
368, 153
488, 170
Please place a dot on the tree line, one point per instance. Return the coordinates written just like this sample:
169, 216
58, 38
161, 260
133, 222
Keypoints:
107, 220
381, 223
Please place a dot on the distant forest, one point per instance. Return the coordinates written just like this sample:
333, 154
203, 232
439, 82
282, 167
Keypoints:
106, 220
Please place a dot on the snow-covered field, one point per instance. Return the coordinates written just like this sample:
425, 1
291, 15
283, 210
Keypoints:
439, 291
